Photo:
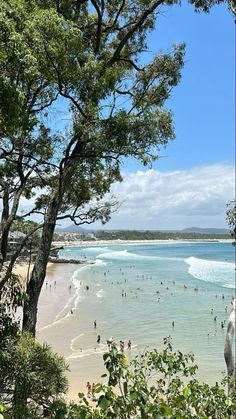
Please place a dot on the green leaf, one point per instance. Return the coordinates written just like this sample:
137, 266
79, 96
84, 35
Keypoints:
165, 409
103, 402
125, 386
186, 391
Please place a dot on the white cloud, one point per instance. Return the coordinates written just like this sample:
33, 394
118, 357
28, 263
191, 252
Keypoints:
174, 199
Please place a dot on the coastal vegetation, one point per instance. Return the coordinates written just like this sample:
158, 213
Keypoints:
85, 58
156, 235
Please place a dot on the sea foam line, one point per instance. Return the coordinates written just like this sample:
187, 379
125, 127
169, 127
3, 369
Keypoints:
125, 255
58, 319
217, 272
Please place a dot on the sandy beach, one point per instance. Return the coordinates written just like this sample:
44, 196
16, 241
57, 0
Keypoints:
56, 301
58, 327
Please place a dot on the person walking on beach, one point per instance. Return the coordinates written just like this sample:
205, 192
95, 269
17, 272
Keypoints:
88, 385
122, 346
98, 339
95, 324
129, 344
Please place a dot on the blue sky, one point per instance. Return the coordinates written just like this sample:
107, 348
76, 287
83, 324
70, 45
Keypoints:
203, 102
192, 182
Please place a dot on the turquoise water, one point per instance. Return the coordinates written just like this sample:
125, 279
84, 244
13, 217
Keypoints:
137, 291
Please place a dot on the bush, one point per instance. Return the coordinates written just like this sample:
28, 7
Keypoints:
155, 385
32, 378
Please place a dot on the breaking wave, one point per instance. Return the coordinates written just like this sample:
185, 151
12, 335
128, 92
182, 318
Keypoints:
217, 272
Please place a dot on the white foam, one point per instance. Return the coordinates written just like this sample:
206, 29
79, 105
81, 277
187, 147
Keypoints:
96, 249
99, 262
72, 342
48, 326
95, 350
217, 272
101, 349
123, 254
101, 293
65, 308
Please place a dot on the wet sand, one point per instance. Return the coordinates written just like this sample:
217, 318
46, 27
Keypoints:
58, 326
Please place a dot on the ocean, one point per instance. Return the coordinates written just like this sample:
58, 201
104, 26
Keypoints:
145, 292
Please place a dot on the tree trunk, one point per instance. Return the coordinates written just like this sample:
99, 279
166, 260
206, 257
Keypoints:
7, 220
228, 349
5, 227
39, 271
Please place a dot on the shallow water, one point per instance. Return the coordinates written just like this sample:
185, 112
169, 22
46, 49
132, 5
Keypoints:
160, 283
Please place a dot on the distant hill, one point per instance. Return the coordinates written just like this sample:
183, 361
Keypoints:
205, 230
72, 229
77, 229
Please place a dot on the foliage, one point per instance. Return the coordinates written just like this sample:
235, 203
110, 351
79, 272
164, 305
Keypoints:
34, 371
156, 385
154, 235
27, 227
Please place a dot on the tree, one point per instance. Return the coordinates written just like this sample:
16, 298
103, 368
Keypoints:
99, 70
87, 53
24, 93
32, 378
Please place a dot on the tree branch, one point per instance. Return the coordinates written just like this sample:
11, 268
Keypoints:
153, 6
16, 255
99, 26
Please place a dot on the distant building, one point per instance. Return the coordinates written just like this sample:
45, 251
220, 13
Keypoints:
16, 237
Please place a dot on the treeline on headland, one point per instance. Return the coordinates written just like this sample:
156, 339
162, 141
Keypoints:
156, 235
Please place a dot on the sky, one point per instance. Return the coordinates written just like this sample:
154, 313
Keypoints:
194, 178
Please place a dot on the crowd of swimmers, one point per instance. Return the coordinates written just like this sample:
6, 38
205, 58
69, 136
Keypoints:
158, 293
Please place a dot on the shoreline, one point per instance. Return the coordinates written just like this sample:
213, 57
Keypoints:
76, 243
66, 315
